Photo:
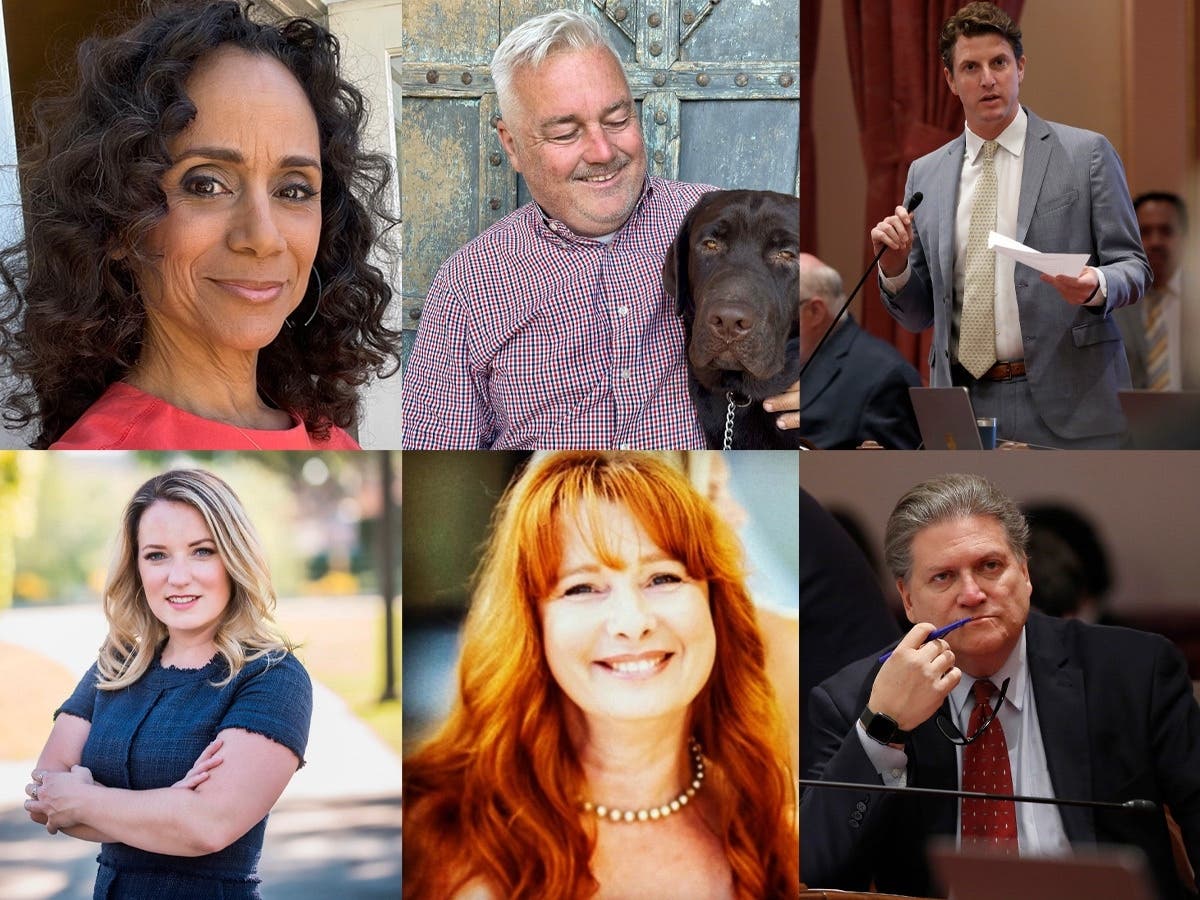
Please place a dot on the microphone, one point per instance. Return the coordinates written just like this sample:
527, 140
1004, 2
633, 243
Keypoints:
1143, 806
913, 202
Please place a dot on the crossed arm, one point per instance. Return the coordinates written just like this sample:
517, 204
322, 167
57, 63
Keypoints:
233, 784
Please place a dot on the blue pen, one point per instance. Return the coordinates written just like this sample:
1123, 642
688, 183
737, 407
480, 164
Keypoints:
941, 632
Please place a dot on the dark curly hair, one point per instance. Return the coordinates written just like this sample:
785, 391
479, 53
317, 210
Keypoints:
71, 318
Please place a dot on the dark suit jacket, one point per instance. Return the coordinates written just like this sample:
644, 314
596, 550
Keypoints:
1073, 199
857, 390
842, 610
1118, 722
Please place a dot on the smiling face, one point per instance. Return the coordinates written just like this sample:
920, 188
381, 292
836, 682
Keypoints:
963, 568
572, 131
986, 78
628, 633
184, 579
235, 249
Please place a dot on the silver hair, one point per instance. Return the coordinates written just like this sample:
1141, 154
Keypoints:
535, 39
820, 280
945, 498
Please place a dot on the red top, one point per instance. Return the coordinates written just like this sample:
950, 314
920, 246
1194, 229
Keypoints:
125, 418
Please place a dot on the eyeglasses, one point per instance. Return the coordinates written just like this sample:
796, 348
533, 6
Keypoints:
953, 735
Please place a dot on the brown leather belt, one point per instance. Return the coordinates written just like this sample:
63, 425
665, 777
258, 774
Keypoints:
1005, 371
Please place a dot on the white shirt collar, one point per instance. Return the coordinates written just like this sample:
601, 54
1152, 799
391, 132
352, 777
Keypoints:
1014, 669
1011, 138
1175, 283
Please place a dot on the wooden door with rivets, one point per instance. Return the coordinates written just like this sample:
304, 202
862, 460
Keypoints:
716, 83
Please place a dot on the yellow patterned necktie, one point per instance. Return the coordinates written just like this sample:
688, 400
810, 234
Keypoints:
1158, 363
977, 323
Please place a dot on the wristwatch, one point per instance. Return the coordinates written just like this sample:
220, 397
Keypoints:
882, 727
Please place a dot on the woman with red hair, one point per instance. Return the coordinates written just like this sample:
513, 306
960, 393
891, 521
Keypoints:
614, 732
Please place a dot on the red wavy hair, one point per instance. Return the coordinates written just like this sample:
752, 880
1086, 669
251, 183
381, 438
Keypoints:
494, 794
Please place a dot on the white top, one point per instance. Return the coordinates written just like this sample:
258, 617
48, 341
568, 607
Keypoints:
1008, 194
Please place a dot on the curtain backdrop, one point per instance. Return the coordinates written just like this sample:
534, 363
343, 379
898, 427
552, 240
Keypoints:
810, 28
904, 110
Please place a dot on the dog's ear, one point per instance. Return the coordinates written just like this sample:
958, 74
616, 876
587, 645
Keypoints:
674, 272
675, 266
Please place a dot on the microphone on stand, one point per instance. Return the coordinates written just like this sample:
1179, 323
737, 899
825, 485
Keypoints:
1126, 806
913, 202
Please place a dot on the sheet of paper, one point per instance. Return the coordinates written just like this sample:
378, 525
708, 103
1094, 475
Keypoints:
1050, 263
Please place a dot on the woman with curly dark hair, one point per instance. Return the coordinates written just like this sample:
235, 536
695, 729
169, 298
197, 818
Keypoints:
199, 212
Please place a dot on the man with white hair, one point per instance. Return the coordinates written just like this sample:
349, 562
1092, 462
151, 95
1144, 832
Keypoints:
551, 328
856, 390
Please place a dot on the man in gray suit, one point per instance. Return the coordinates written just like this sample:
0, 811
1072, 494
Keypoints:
1153, 330
1043, 355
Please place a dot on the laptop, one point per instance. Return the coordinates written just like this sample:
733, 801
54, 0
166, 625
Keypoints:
945, 417
1162, 420
979, 874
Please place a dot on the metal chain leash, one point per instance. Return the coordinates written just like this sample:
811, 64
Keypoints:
727, 444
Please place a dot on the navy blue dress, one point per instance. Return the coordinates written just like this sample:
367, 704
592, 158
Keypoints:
149, 734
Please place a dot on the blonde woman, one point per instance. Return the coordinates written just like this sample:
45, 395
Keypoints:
184, 733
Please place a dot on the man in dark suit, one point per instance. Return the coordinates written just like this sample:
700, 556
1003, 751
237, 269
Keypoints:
843, 613
1086, 712
856, 389
1042, 355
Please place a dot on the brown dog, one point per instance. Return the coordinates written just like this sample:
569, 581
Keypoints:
734, 272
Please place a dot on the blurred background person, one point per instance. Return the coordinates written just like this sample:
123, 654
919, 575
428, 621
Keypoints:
614, 727
1153, 331
856, 389
194, 271
843, 613
1068, 564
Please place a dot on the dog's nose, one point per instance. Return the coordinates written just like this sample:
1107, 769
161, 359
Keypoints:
730, 320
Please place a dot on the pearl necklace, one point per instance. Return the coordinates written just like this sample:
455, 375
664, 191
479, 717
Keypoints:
655, 813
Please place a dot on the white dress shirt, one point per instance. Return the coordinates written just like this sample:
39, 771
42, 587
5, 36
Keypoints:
1009, 165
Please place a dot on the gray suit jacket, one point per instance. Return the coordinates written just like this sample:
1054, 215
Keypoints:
1133, 335
1073, 199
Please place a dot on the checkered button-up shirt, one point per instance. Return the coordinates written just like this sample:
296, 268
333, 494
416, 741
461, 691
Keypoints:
535, 337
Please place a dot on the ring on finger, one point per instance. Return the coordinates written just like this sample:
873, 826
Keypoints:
34, 792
